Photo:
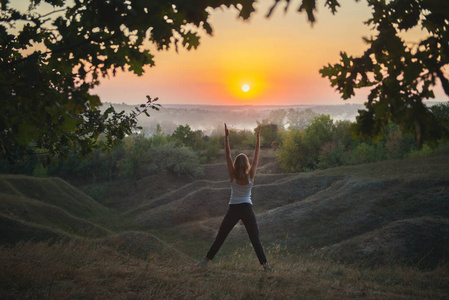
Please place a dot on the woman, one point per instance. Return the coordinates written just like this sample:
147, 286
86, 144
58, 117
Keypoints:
241, 175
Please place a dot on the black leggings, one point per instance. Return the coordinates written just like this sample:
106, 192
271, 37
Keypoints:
235, 213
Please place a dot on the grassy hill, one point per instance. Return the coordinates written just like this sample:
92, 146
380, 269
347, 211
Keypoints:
374, 231
85, 270
326, 209
46, 207
51, 191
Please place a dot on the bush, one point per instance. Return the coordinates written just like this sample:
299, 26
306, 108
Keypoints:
136, 157
341, 134
159, 138
423, 152
185, 136
178, 161
397, 144
268, 133
242, 139
292, 151
366, 153
317, 134
332, 155
39, 170
300, 149
441, 113
212, 150
393, 145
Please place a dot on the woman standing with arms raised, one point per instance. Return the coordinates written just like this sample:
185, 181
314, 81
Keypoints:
241, 176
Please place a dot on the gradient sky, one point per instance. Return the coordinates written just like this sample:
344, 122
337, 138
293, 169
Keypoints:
278, 58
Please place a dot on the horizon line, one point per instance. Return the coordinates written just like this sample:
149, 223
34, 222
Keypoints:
241, 105
263, 105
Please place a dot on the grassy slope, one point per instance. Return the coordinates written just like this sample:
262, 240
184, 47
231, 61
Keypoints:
85, 270
50, 207
51, 191
350, 212
327, 209
340, 209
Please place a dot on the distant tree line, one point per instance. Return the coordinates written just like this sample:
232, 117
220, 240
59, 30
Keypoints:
133, 158
303, 141
325, 143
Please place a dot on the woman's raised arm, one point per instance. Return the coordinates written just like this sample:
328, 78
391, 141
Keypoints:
228, 154
252, 171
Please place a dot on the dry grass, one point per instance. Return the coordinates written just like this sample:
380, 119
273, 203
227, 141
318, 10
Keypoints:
423, 168
351, 207
51, 191
86, 270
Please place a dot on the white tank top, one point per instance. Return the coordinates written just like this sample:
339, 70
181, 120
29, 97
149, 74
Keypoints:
241, 193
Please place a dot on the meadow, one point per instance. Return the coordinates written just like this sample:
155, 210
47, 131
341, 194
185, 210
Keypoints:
370, 231
86, 270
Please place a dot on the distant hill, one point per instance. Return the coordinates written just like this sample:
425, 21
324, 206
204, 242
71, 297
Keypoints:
39, 208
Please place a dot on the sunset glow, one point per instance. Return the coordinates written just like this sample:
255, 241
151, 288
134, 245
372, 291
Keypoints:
277, 58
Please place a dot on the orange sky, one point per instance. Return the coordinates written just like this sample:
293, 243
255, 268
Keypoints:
278, 58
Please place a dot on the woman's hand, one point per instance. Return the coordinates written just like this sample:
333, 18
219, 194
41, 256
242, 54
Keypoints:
228, 154
252, 171
226, 131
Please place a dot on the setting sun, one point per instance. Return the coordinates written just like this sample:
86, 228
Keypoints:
278, 58
245, 87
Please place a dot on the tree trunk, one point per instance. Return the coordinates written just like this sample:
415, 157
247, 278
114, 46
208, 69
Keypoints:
418, 135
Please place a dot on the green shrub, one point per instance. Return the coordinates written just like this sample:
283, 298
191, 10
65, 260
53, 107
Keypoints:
185, 136
242, 139
211, 150
423, 152
292, 152
39, 170
97, 192
342, 134
363, 153
136, 158
332, 155
315, 136
366, 153
268, 133
159, 140
393, 145
300, 149
397, 144
443, 148
180, 161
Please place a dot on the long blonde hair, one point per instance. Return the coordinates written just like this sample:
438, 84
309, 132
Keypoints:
241, 166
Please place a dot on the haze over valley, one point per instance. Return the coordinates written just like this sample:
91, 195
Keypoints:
210, 118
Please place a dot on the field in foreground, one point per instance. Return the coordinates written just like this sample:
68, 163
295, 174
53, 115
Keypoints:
375, 231
85, 270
